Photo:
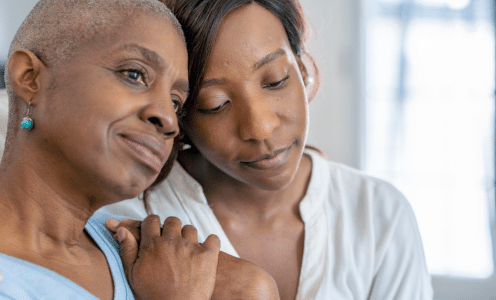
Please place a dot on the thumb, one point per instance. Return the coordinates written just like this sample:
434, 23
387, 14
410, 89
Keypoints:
212, 243
128, 250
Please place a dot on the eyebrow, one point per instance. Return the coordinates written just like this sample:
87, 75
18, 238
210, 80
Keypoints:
263, 61
211, 82
268, 58
151, 56
183, 86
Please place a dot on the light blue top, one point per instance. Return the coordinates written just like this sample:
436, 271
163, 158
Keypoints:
23, 280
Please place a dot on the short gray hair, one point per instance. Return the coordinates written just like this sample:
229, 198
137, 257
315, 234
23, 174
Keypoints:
55, 29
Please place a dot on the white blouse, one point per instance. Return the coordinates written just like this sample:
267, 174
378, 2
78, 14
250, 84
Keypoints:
361, 237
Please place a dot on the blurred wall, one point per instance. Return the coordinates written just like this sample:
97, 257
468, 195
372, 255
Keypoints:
12, 13
335, 112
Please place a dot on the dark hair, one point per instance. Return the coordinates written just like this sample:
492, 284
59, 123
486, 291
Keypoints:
201, 20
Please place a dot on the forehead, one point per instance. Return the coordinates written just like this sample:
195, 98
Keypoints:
152, 37
248, 33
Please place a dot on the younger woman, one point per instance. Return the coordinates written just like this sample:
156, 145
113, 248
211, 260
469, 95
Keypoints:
321, 229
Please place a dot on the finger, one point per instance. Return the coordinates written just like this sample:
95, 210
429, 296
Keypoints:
125, 222
172, 228
150, 229
133, 226
190, 233
212, 243
128, 250
112, 225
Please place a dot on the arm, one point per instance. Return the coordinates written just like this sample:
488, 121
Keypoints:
240, 279
235, 278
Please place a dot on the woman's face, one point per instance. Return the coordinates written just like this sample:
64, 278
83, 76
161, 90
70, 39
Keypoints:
250, 119
110, 116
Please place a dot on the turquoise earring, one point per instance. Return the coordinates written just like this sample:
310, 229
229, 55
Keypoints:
27, 123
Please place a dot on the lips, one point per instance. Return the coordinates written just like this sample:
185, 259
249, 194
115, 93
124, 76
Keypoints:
270, 161
146, 149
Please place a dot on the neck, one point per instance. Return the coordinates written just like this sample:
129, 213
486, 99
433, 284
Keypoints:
225, 193
36, 215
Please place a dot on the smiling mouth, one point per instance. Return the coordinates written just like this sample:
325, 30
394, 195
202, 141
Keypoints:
147, 149
270, 161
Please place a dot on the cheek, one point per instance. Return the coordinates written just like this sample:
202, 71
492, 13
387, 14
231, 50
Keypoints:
304, 113
297, 113
211, 137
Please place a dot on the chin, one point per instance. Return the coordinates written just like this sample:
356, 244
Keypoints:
270, 181
279, 183
273, 179
131, 188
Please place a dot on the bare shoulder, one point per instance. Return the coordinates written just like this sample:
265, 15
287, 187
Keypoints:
240, 279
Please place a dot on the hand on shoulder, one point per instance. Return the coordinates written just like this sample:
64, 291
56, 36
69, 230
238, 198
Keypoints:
168, 262
235, 278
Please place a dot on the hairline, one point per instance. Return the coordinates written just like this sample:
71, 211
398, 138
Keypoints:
26, 37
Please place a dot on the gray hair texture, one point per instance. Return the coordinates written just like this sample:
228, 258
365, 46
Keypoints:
55, 29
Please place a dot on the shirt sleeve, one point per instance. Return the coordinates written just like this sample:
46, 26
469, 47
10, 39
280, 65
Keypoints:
401, 271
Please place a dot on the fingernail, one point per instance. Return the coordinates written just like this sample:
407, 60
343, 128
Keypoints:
121, 235
112, 223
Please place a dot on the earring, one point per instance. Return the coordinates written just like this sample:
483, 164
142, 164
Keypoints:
308, 81
184, 146
27, 123
181, 138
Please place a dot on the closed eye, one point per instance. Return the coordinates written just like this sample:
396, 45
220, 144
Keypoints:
213, 110
276, 85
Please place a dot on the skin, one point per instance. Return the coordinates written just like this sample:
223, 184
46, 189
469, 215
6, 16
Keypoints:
235, 278
92, 118
170, 261
253, 105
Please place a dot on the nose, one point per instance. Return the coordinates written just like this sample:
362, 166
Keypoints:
257, 120
163, 116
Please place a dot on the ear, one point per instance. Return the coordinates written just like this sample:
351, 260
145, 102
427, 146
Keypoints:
303, 70
307, 78
25, 70
310, 74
